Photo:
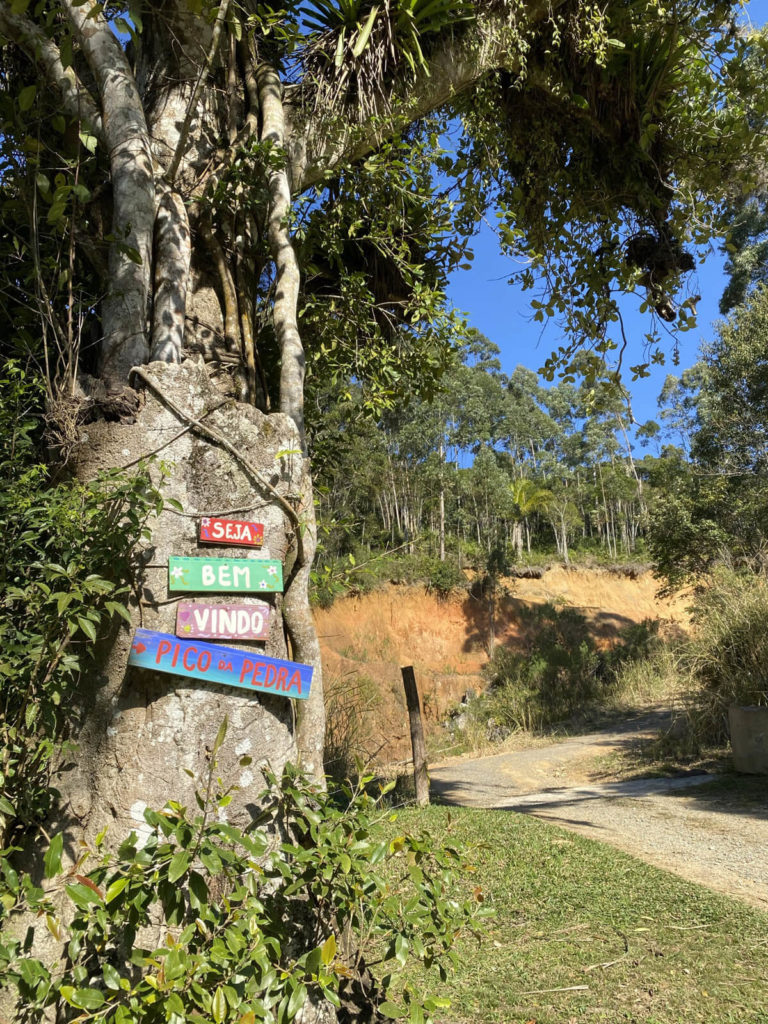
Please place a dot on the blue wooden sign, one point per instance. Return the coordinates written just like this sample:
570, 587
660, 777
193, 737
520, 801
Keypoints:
213, 663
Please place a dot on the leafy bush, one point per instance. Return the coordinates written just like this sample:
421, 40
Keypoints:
443, 577
556, 676
65, 571
560, 673
204, 921
727, 655
334, 578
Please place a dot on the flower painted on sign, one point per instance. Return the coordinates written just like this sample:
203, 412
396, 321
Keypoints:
178, 573
263, 585
272, 570
205, 522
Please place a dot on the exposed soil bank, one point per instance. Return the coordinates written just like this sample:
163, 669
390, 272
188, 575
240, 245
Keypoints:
366, 639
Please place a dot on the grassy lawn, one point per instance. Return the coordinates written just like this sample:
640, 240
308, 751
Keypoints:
621, 940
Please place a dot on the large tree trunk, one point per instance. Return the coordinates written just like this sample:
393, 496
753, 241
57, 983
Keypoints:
145, 730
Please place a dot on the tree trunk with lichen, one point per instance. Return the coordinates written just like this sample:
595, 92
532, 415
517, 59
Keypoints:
183, 271
190, 239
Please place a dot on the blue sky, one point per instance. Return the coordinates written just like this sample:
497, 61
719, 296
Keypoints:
502, 312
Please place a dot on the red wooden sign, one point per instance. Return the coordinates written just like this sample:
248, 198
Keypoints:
231, 531
206, 621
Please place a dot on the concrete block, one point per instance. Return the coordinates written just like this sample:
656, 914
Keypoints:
749, 738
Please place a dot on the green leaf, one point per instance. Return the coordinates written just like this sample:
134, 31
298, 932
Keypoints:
82, 895
364, 35
221, 735
328, 950
175, 1005
198, 889
297, 1000
219, 1006
391, 1010
67, 993
87, 627
89, 141
115, 608
134, 9
179, 864
27, 97
115, 888
88, 998
111, 977
7, 807
52, 861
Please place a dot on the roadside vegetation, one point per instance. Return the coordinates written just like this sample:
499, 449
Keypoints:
584, 932
502, 476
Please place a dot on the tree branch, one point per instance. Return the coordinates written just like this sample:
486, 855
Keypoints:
124, 310
228, 290
286, 265
318, 143
76, 99
173, 255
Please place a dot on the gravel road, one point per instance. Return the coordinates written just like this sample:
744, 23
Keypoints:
680, 824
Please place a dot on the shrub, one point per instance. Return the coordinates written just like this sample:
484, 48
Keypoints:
560, 673
727, 655
557, 675
443, 577
65, 572
203, 921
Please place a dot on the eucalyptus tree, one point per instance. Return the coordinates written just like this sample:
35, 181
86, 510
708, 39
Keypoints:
243, 195
719, 501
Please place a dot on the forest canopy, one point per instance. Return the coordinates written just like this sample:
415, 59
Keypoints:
158, 159
227, 228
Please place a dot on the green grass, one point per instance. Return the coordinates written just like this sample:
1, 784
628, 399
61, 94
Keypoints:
570, 912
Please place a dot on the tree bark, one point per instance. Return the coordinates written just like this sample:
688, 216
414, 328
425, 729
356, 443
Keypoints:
75, 98
143, 729
173, 256
125, 306
297, 612
286, 264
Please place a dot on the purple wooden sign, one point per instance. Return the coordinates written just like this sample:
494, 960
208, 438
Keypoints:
222, 621
214, 663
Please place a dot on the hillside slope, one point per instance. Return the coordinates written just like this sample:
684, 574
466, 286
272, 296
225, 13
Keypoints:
366, 639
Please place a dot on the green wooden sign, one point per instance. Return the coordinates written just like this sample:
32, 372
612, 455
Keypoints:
225, 575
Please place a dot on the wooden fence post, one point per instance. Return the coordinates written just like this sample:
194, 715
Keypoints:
417, 736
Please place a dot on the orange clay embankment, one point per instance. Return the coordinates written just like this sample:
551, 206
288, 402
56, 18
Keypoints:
366, 639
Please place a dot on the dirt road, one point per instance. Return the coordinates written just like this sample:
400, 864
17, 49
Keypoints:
688, 824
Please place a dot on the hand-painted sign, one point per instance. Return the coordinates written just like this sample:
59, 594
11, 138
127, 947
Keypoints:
231, 531
245, 575
213, 663
222, 621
